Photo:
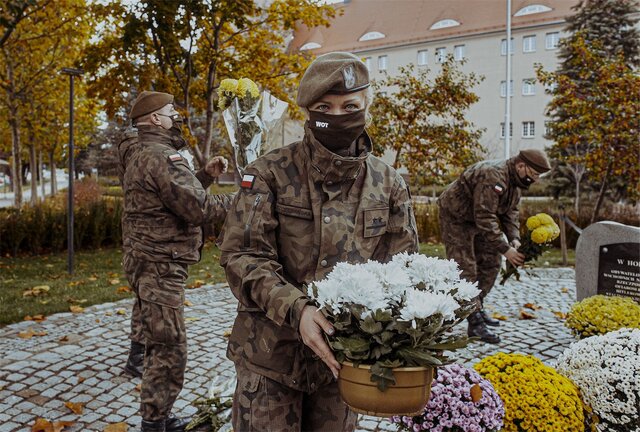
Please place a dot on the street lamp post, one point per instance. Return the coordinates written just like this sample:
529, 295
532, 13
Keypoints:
507, 104
72, 73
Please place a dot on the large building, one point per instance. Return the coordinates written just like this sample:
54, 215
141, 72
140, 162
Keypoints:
389, 34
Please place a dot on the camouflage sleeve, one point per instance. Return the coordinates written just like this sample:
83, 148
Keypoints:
182, 193
485, 208
250, 256
401, 235
511, 224
205, 179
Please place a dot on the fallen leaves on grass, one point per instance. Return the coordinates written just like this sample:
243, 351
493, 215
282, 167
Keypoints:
36, 291
44, 425
92, 278
29, 333
116, 427
76, 308
114, 281
76, 407
36, 318
532, 306
196, 283
123, 289
75, 300
524, 315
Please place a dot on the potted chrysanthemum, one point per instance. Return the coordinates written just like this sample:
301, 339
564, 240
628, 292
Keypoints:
392, 325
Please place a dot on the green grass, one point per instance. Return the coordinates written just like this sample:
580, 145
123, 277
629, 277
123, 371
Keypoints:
96, 279
98, 275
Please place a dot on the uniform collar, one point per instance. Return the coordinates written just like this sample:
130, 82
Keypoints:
160, 135
329, 167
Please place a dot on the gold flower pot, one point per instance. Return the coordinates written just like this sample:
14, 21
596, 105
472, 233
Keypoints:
407, 396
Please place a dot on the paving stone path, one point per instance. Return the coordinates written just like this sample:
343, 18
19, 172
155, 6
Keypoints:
81, 356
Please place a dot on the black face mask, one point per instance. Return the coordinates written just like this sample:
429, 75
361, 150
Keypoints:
176, 131
337, 132
526, 180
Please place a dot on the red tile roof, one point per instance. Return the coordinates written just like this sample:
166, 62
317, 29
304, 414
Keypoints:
408, 21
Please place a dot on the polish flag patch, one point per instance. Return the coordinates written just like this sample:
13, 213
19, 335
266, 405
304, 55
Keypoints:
175, 157
498, 188
247, 181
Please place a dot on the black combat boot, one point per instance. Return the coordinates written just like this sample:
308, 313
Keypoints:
175, 424
478, 328
134, 366
488, 320
152, 426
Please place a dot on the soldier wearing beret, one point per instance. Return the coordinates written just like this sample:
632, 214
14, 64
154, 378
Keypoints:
475, 211
301, 210
165, 206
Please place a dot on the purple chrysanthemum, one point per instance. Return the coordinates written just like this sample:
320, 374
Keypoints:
451, 407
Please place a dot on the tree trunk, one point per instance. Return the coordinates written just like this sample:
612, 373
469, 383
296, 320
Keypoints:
396, 161
603, 189
54, 180
16, 165
43, 192
33, 168
208, 136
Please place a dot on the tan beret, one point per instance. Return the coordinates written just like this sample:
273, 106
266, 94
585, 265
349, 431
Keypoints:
148, 102
336, 73
536, 159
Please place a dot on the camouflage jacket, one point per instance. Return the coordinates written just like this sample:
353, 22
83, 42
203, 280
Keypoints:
165, 204
302, 209
486, 195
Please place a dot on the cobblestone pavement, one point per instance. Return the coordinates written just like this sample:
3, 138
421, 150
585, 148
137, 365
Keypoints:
79, 359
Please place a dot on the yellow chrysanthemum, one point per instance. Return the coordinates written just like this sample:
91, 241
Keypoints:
540, 235
533, 222
597, 315
545, 219
555, 231
247, 87
535, 396
226, 92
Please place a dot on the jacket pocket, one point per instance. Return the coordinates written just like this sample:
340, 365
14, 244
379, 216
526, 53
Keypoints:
273, 347
375, 221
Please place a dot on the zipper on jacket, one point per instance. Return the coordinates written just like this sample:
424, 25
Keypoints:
247, 225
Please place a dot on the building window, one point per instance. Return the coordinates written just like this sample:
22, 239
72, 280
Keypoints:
459, 52
503, 88
382, 63
503, 47
547, 128
528, 87
371, 36
529, 44
528, 129
367, 62
441, 55
551, 40
551, 88
422, 57
533, 9
310, 46
444, 24
502, 129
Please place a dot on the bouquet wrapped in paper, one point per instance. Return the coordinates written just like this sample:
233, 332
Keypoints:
541, 231
249, 116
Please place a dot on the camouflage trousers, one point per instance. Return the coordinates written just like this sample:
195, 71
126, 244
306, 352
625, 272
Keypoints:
466, 245
262, 404
158, 322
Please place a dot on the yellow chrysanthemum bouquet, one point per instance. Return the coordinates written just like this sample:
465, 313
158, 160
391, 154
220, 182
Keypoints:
598, 315
541, 231
249, 116
535, 396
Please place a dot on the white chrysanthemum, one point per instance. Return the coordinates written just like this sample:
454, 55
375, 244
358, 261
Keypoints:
392, 276
606, 368
360, 286
466, 290
437, 274
423, 304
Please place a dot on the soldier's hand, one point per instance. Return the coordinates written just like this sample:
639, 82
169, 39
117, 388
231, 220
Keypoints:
312, 324
515, 243
216, 166
514, 257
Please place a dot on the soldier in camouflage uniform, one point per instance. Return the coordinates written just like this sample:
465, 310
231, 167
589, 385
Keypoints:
301, 210
165, 205
475, 210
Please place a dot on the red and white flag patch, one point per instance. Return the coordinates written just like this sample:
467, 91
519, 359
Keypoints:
175, 157
247, 181
498, 188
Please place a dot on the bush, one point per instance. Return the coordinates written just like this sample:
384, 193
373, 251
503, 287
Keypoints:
606, 369
600, 314
535, 396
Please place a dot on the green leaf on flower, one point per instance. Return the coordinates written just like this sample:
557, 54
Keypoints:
383, 376
369, 325
353, 344
419, 357
383, 315
379, 351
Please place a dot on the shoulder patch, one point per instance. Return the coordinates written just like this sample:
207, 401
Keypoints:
175, 157
247, 181
498, 188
